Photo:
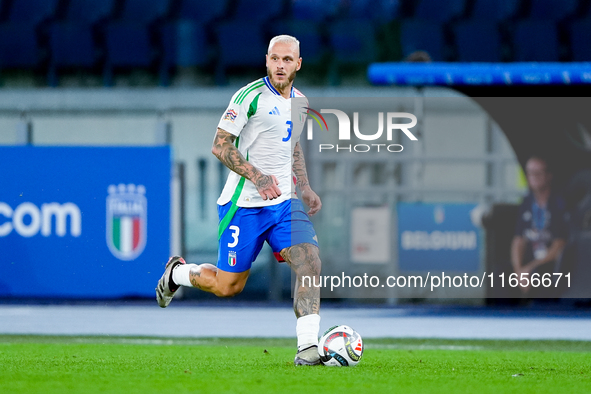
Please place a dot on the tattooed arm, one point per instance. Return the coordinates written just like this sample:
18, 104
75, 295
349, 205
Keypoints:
299, 169
224, 149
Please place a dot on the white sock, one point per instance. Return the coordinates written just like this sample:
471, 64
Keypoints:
180, 274
307, 328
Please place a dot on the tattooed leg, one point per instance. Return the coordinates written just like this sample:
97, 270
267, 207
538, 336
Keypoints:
208, 277
304, 260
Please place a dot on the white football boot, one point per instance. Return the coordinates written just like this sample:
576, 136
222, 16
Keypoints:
307, 356
164, 293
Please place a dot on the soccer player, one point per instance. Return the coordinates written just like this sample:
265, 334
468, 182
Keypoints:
256, 140
542, 228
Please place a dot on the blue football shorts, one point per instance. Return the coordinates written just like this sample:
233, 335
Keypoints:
282, 225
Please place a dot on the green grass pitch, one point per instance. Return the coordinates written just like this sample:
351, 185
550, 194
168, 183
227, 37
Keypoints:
44, 364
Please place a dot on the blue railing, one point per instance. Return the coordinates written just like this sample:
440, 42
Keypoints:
454, 74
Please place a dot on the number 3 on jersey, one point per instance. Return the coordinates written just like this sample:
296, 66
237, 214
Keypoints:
236, 232
288, 131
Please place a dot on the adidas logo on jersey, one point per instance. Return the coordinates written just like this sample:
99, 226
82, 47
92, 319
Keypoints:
275, 111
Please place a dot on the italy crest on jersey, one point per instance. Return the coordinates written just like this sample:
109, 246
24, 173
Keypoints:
127, 216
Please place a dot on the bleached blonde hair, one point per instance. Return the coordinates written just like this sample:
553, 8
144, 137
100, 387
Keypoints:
284, 38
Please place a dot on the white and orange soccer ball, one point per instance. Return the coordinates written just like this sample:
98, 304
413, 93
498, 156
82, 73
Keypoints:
340, 346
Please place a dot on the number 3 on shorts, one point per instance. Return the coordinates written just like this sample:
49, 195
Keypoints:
235, 234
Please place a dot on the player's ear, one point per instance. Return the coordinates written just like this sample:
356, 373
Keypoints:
299, 64
267, 60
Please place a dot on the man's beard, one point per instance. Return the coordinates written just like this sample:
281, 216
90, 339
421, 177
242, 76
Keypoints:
281, 85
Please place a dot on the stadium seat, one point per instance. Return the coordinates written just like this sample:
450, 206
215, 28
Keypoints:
258, 10
234, 53
552, 10
71, 45
497, 10
308, 34
417, 35
314, 10
353, 42
580, 31
202, 11
128, 45
184, 44
376, 10
31, 11
535, 41
88, 11
478, 41
142, 11
128, 38
22, 53
440, 11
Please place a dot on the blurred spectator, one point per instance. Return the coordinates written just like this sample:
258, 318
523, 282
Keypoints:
541, 230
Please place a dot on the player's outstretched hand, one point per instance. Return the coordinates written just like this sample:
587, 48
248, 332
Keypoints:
312, 200
267, 187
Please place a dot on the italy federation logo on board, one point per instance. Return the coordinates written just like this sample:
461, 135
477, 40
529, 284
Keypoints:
127, 214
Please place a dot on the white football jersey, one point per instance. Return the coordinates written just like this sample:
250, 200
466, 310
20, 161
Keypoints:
261, 120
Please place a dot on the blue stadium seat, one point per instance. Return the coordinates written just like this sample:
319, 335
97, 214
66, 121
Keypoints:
440, 11
495, 10
376, 10
308, 34
580, 31
536, 41
31, 11
71, 45
22, 53
143, 11
258, 10
184, 44
128, 39
552, 10
88, 11
128, 45
314, 10
202, 11
420, 35
353, 42
478, 41
247, 51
